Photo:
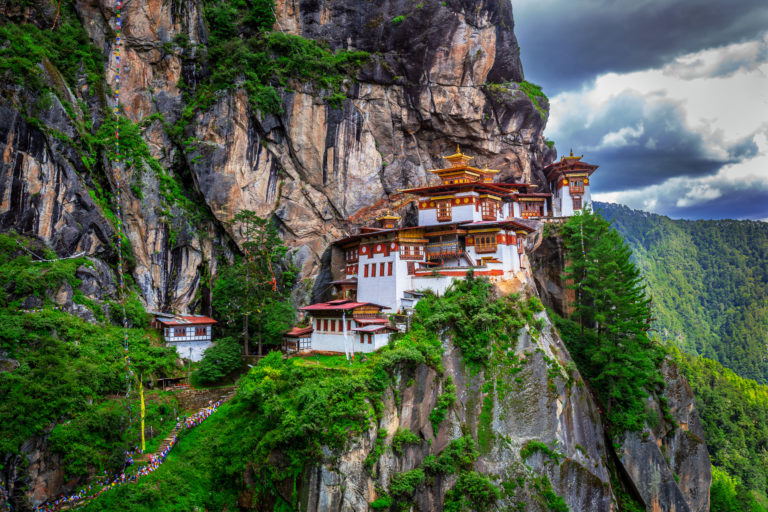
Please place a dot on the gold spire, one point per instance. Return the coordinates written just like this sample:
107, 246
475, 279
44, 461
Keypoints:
458, 159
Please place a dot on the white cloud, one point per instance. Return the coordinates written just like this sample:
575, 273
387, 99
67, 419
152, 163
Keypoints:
710, 107
624, 137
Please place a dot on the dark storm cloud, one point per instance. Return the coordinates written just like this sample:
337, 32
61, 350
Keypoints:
566, 43
640, 141
735, 203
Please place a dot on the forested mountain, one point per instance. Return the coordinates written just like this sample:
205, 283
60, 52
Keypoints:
708, 281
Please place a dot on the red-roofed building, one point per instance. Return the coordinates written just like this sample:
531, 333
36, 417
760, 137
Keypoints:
569, 182
343, 325
190, 334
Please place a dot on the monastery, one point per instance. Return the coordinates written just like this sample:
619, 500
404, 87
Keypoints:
467, 223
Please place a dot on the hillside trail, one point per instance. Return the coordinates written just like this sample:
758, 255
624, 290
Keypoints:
164, 447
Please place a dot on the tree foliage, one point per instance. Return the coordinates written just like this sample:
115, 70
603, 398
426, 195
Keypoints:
255, 290
607, 333
709, 281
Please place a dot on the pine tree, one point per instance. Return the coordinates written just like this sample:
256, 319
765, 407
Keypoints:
256, 286
614, 316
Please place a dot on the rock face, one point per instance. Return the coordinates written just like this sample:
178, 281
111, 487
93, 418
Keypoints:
537, 397
428, 86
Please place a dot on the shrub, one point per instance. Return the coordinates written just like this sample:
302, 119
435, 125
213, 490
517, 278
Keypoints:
219, 360
403, 437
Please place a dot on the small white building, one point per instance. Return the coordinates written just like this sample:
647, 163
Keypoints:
190, 334
342, 325
569, 182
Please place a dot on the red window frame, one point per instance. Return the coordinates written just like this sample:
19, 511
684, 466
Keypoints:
443, 210
577, 203
325, 324
381, 268
365, 270
370, 338
389, 268
373, 270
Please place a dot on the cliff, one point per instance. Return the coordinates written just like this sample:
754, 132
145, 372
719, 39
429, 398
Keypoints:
447, 74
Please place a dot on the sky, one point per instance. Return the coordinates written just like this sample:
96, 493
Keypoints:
668, 97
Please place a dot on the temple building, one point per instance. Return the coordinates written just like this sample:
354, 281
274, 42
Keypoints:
340, 326
569, 182
467, 223
190, 334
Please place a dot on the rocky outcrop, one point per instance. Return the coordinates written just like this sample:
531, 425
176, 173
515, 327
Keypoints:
535, 396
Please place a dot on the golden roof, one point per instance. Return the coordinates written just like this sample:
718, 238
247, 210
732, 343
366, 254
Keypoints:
571, 157
458, 158
389, 216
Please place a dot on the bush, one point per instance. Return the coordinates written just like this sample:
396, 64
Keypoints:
473, 491
444, 401
223, 358
403, 437
403, 485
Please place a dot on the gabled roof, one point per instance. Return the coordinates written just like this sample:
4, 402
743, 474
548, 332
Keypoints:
338, 305
374, 328
299, 332
186, 320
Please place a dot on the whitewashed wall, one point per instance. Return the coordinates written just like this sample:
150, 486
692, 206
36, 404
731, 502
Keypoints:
192, 350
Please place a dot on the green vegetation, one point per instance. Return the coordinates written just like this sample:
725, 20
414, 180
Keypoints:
531, 447
289, 413
475, 317
473, 491
402, 485
403, 437
607, 333
377, 451
219, 361
709, 283
446, 399
257, 285
709, 287
67, 367
533, 91
734, 413
24, 46
242, 52
398, 19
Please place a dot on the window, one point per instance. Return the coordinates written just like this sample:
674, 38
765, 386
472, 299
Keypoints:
349, 325
325, 324
370, 339
381, 269
489, 209
365, 270
576, 185
389, 268
443, 210
485, 242
373, 270
411, 268
577, 203
532, 209
201, 331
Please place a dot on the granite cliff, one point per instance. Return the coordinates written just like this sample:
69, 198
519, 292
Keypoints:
449, 73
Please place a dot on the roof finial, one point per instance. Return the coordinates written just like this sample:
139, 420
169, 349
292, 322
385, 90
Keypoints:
458, 149
571, 151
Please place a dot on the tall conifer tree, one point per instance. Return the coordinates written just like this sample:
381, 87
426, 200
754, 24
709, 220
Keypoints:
611, 305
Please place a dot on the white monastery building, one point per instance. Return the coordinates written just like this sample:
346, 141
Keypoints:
467, 223
190, 334
569, 182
